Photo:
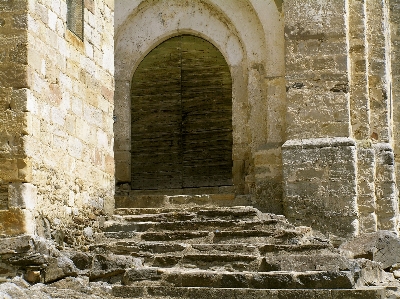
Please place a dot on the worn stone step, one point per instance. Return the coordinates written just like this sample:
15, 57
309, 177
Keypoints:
218, 224
163, 292
210, 225
119, 235
164, 214
275, 236
175, 236
154, 247
304, 262
161, 217
238, 257
231, 262
120, 226
249, 262
188, 237
205, 197
321, 246
193, 224
151, 248
239, 212
260, 236
231, 213
139, 248
245, 236
140, 211
243, 248
255, 280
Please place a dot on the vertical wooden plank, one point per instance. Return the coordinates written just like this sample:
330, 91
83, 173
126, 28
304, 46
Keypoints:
156, 119
206, 115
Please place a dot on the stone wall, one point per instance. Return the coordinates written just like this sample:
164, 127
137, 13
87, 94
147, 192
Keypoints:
71, 103
315, 89
61, 103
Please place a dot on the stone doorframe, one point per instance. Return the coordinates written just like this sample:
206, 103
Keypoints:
249, 34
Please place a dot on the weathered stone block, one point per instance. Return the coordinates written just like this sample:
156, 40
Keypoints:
22, 195
320, 184
21, 100
381, 246
105, 266
59, 268
16, 222
13, 245
13, 75
8, 170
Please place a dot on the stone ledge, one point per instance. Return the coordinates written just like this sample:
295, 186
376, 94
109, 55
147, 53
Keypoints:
318, 143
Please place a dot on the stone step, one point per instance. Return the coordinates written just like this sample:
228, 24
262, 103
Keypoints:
240, 262
223, 237
270, 236
304, 262
200, 198
243, 262
321, 246
210, 225
253, 280
236, 252
150, 248
224, 248
162, 217
187, 236
164, 292
201, 212
142, 248
238, 257
231, 262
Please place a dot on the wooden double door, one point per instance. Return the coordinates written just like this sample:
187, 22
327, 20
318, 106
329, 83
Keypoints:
181, 113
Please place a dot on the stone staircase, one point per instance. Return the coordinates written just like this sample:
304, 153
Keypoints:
232, 252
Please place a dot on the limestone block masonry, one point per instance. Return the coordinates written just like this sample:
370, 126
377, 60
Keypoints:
338, 158
56, 120
314, 172
314, 119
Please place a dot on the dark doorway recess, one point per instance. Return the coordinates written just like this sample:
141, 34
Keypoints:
181, 111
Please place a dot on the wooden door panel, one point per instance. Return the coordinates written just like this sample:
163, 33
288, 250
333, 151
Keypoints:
182, 117
207, 115
156, 119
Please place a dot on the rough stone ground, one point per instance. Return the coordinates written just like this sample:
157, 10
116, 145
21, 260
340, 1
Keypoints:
201, 252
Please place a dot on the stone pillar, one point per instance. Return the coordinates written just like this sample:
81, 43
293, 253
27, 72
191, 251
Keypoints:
319, 158
381, 105
15, 119
394, 14
360, 114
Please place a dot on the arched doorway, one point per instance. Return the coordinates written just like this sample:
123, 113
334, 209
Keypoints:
181, 117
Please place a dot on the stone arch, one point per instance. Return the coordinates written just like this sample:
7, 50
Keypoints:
238, 33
